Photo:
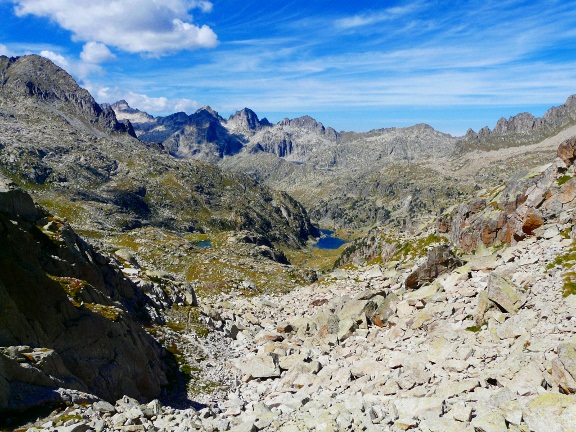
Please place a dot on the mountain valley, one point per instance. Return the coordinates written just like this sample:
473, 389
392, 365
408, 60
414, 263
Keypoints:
159, 273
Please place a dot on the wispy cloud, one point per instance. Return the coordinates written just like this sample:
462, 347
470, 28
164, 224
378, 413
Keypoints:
376, 17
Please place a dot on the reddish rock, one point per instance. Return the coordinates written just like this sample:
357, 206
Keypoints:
567, 151
532, 220
488, 235
318, 302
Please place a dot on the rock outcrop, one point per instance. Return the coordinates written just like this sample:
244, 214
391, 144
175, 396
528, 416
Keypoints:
37, 77
510, 213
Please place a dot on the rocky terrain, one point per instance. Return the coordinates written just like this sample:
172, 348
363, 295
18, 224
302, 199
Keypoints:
71, 323
197, 301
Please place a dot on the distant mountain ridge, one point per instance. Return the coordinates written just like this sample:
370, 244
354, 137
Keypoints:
522, 128
205, 135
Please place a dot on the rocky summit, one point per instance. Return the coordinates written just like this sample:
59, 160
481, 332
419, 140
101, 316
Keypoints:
147, 285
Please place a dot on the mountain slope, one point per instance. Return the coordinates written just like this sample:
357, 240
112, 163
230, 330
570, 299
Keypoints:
386, 176
78, 157
522, 129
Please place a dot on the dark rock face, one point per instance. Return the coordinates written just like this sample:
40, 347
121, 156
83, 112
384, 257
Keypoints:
70, 320
440, 260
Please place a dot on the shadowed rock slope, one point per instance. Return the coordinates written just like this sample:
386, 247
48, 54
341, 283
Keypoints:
71, 323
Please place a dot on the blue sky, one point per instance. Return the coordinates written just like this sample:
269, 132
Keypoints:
351, 65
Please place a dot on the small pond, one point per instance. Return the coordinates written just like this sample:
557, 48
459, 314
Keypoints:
204, 244
328, 241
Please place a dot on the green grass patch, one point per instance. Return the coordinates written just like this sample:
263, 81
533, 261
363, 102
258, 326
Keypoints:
566, 261
109, 312
475, 328
564, 179
73, 287
418, 248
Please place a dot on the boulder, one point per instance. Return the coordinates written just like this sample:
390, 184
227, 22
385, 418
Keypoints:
551, 412
567, 151
440, 260
489, 422
564, 368
421, 408
260, 366
532, 221
505, 293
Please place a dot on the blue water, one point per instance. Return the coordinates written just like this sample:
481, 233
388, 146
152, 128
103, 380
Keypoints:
329, 242
204, 244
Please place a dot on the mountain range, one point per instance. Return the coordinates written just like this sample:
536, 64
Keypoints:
357, 180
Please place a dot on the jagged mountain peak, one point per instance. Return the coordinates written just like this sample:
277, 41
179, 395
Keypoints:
208, 111
124, 111
122, 104
246, 120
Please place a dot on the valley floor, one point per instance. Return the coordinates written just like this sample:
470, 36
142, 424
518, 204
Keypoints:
490, 346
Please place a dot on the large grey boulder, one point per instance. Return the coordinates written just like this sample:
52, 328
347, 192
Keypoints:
260, 366
564, 368
505, 293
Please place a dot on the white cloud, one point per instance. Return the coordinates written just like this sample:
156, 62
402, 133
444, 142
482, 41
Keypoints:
58, 59
150, 104
375, 17
79, 69
95, 52
152, 27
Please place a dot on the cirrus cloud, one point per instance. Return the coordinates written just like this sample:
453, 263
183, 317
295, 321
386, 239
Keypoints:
151, 27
